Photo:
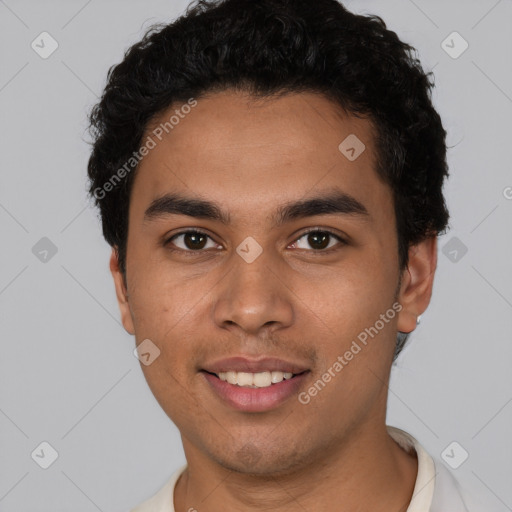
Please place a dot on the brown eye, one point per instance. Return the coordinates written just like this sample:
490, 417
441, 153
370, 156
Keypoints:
319, 240
194, 240
190, 241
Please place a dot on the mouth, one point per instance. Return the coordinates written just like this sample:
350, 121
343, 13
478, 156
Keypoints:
254, 392
255, 380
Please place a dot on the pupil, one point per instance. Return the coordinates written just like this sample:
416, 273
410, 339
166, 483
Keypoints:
194, 237
319, 235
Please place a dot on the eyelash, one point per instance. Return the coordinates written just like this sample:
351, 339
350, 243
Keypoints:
190, 252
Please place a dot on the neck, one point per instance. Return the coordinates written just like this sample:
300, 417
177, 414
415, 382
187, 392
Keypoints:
369, 471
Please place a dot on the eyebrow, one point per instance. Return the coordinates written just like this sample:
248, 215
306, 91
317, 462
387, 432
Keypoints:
332, 202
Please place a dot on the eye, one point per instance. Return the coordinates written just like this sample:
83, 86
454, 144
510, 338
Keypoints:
319, 240
191, 241
197, 241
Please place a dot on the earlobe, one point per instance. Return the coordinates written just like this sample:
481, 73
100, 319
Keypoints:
121, 293
417, 283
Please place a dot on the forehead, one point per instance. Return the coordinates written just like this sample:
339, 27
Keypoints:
256, 152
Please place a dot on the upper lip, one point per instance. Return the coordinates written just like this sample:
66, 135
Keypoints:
244, 364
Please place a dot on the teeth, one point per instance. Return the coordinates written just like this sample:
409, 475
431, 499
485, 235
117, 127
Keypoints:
277, 377
244, 379
261, 380
255, 380
229, 376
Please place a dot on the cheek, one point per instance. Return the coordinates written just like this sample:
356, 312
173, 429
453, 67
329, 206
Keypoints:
346, 323
344, 300
171, 325
172, 312
159, 299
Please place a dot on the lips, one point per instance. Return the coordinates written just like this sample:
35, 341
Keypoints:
242, 364
254, 392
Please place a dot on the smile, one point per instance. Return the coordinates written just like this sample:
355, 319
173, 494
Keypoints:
255, 392
255, 380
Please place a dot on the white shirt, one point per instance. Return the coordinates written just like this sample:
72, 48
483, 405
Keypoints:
435, 490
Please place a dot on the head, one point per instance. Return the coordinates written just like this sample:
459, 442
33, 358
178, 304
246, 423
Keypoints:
252, 123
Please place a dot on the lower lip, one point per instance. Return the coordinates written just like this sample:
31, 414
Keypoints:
255, 399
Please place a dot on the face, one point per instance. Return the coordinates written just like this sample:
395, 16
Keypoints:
256, 245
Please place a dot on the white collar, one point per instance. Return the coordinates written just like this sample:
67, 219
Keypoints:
425, 479
435, 489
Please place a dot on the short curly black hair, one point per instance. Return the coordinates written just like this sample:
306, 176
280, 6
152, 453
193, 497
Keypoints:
267, 48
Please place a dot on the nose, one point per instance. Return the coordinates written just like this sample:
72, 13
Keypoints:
253, 298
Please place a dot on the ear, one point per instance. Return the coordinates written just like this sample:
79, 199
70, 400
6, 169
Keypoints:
121, 293
417, 282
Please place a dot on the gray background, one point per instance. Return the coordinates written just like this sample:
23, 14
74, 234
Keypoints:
67, 372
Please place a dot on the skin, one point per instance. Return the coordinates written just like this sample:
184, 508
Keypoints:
293, 301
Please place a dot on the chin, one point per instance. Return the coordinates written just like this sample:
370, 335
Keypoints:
252, 461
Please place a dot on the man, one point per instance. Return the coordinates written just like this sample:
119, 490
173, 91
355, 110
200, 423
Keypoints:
269, 176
